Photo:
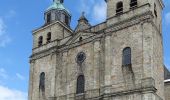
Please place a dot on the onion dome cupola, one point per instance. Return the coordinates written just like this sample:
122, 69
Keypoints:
57, 12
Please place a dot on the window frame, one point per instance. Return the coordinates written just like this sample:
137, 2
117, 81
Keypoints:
119, 8
40, 41
133, 4
66, 20
80, 84
48, 17
48, 37
42, 81
127, 56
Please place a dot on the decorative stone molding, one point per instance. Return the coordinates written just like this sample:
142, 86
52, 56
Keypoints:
145, 17
96, 94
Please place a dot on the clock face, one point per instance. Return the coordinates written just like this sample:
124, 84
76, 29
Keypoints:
81, 57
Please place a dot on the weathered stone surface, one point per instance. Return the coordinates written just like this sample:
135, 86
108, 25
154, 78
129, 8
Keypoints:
167, 92
105, 76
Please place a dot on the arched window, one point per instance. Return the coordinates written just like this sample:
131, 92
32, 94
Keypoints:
133, 3
49, 37
80, 84
42, 81
119, 8
40, 41
126, 56
66, 20
48, 17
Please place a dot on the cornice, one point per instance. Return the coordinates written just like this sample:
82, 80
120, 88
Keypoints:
97, 37
129, 22
46, 26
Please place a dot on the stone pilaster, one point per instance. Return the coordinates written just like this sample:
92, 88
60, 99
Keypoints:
31, 80
107, 61
96, 63
147, 50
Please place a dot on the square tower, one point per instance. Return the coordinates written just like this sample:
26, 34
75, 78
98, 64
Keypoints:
145, 16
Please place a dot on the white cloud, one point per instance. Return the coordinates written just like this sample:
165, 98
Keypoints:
3, 73
21, 77
85, 6
11, 94
99, 11
96, 9
4, 38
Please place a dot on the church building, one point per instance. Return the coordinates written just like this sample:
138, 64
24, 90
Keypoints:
118, 59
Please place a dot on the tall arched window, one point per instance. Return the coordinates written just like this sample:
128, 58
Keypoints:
80, 84
119, 8
40, 41
126, 56
49, 37
42, 81
133, 3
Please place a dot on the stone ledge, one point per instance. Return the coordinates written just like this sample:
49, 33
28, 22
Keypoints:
147, 86
127, 23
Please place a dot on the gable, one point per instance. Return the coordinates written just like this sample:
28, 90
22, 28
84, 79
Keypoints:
80, 36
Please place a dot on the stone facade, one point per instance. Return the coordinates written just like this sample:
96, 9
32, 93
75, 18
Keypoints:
106, 78
167, 88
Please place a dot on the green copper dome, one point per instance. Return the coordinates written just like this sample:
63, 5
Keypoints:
57, 4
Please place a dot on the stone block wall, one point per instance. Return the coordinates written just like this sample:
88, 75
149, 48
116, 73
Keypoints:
167, 90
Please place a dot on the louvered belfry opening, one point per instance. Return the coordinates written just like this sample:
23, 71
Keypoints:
119, 8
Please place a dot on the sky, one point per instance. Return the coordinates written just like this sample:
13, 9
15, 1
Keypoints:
19, 17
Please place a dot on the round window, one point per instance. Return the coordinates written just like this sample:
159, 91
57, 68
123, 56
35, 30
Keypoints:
81, 57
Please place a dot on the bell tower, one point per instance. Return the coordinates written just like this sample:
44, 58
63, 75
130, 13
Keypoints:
127, 9
148, 13
57, 12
